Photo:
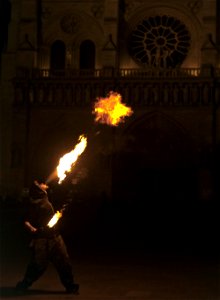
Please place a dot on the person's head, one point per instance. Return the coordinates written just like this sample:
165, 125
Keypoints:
37, 190
43, 186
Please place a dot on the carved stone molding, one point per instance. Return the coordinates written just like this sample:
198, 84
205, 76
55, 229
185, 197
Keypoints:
46, 12
130, 6
97, 10
195, 5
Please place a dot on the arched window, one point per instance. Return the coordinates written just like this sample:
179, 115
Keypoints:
57, 55
87, 55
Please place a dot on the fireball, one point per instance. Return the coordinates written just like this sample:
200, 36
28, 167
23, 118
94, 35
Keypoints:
111, 110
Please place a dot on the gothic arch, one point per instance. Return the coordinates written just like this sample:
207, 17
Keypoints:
155, 143
87, 55
68, 25
154, 181
57, 55
72, 28
161, 130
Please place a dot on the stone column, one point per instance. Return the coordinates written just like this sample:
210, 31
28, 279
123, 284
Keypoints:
28, 34
209, 51
109, 55
7, 96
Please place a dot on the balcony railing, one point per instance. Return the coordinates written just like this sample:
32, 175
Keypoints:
138, 87
24, 73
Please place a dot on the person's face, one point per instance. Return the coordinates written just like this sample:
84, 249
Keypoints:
43, 186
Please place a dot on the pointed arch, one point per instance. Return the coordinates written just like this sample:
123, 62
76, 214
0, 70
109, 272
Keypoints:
154, 179
154, 130
87, 55
154, 148
57, 55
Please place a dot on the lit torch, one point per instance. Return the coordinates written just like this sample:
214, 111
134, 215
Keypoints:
67, 161
54, 219
111, 110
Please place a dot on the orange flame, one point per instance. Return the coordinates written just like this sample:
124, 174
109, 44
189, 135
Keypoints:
110, 110
54, 219
67, 161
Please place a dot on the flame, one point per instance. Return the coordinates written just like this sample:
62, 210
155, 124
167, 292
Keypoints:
110, 110
54, 219
66, 162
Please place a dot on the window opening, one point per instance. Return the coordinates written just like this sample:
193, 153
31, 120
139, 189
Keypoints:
58, 51
87, 55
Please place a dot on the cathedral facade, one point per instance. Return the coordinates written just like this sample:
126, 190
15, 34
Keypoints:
162, 57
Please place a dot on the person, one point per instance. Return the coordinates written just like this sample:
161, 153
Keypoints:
47, 243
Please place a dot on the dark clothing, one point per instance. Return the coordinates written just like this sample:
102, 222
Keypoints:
45, 250
47, 244
39, 213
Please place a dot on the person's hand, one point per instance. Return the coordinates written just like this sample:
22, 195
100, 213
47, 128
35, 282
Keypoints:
31, 228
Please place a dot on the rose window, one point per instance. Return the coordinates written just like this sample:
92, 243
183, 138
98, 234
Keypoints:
160, 41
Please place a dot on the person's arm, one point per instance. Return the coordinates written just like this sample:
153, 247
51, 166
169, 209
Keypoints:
31, 228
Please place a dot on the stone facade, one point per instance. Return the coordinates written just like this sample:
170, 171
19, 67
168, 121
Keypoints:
162, 57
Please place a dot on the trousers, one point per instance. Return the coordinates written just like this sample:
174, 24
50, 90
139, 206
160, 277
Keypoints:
45, 250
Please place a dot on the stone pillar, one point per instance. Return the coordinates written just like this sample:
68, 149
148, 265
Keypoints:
7, 95
218, 31
109, 55
21, 51
217, 22
28, 34
44, 58
209, 52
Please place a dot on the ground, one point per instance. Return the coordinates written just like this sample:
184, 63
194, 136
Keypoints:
112, 268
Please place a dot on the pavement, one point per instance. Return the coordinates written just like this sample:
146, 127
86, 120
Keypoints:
113, 268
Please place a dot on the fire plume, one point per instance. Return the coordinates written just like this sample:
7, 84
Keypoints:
111, 110
67, 161
54, 219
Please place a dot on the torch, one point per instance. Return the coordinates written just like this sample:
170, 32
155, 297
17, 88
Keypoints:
66, 163
55, 218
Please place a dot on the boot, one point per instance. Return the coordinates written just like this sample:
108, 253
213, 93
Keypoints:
73, 289
22, 286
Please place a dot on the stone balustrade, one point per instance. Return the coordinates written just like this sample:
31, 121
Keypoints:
165, 87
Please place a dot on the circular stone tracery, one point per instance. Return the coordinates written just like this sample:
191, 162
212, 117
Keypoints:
70, 23
160, 41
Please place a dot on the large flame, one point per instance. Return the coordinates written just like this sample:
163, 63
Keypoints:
67, 161
54, 219
110, 110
